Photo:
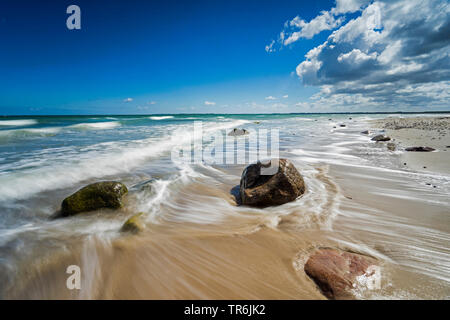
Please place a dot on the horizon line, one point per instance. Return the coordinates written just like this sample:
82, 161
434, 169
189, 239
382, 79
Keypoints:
231, 114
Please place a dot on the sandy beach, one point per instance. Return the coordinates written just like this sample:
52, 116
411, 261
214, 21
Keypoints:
428, 131
199, 243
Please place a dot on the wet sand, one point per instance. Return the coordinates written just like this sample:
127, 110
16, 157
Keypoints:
388, 214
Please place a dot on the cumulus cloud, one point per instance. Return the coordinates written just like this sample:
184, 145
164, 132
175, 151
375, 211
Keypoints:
394, 53
285, 96
210, 103
297, 28
128, 100
324, 21
348, 6
270, 98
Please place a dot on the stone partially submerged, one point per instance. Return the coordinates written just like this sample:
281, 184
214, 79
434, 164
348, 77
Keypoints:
107, 194
420, 149
271, 183
381, 137
237, 132
133, 224
336, 272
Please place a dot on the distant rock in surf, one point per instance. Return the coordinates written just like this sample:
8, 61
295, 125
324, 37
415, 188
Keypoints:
273, 182
365, 132
133, 224
342, 125
420, 149
107, 194
237, 132
381, 137
391, 146
336, 271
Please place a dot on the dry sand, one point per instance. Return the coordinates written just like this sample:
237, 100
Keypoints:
420, 131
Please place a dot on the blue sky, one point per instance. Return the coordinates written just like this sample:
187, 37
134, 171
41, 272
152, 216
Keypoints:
220, 56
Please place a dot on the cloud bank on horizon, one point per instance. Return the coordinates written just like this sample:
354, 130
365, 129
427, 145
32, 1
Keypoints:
393, 54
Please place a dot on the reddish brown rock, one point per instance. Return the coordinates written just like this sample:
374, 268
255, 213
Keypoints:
335, 271
268, 184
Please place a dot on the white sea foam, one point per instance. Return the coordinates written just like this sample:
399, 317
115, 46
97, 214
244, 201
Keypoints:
101, 160
24, 122
96, 125
161, 117
28, 133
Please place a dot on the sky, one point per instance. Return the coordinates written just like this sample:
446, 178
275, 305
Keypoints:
245, 56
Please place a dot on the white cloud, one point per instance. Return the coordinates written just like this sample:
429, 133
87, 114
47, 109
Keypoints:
279, 105
297, 28
348, 6
151, 102
379, 56
356, 56
285, 96
128, 100
324, 21
210, 103
269, 47
270, 98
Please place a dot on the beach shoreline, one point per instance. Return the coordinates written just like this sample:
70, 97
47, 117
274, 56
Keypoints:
427, 131
198, 243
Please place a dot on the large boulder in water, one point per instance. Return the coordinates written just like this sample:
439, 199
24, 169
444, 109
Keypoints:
266, 184
335, 271
107, 194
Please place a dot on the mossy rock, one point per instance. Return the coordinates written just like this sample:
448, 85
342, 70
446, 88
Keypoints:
107, 194
134, 224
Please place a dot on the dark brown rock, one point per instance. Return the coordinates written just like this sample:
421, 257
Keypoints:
262, 187
420, 149
335, 271
381, 137
366, 132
